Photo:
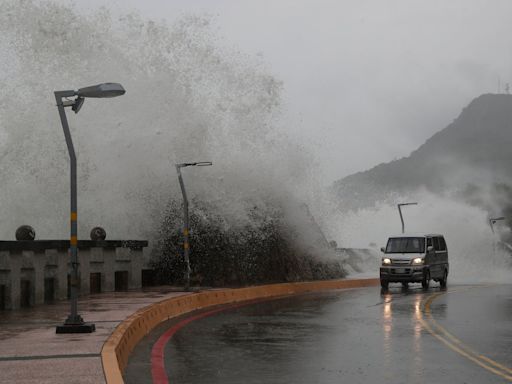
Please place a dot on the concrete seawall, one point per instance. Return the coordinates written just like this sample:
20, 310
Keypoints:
35, 272
122, 341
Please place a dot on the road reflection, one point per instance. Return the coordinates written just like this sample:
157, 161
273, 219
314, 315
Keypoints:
416, 323
398, 303
388, 328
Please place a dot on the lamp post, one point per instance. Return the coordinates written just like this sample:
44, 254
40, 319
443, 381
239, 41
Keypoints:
493, 221
74, 323
400, 212
186, 245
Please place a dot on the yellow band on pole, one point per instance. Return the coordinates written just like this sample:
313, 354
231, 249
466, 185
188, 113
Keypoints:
185, 231
74, 216
186, 246
74, 240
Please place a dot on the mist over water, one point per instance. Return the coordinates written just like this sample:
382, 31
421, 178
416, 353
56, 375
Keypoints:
188, 99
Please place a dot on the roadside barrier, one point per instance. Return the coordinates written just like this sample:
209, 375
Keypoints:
122, 341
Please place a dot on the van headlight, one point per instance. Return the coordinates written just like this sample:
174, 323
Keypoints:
386, 260
417, 261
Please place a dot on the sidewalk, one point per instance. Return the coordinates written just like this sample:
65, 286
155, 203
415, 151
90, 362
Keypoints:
31, 351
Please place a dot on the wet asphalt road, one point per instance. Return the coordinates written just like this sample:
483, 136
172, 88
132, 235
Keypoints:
462, 335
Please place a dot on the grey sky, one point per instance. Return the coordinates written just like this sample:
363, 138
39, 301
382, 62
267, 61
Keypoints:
365, 81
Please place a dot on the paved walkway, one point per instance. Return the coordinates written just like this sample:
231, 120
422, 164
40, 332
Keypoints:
31, 351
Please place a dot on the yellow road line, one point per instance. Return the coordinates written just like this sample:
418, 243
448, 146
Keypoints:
458, 346
458, 342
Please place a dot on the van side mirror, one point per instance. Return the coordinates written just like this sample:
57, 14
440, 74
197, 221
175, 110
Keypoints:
430, 249
383, 250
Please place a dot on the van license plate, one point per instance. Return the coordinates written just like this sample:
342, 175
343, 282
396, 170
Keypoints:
400, 270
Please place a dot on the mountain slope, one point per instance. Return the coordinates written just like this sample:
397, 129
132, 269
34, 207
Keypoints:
473, 152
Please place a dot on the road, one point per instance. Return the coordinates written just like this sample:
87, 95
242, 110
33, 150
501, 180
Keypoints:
461, 335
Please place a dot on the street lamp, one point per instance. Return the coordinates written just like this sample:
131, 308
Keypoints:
74, 323
186, 245
493, 221
400, 212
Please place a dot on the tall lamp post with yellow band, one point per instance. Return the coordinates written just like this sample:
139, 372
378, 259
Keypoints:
75, 99
186, 245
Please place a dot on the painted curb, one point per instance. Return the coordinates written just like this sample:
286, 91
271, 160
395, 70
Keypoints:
120, 344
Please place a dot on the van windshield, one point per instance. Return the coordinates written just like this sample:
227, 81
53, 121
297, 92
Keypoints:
406, 245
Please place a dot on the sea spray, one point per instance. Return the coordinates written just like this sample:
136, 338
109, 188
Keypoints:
476, 254
268, 248
188, 98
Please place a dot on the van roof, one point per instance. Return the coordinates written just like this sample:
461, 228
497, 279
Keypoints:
418, 235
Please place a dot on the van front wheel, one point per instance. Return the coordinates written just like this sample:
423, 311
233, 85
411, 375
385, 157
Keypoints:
426, 279
444, 280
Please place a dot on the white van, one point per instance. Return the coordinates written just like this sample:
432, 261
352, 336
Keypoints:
414, 259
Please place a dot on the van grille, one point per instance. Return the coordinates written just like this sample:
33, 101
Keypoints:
401, 271
400, 262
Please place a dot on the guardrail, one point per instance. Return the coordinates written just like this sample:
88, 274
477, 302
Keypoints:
120, 344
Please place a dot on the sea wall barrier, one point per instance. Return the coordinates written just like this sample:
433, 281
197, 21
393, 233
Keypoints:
34, 272
120, 344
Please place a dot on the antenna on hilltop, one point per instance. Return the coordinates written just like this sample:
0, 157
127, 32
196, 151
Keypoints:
499, 84
507, 88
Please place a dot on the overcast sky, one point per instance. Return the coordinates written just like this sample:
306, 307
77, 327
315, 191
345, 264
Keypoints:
365, 81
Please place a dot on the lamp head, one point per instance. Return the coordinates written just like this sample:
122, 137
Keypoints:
102, 90
402, 204
197, 164
77, 104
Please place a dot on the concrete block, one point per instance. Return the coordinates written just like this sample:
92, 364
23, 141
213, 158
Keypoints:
38, 261
84, 271
5, 260
15, 281
109, 263
27, 259
52, 257
96, 255
62, 274
123, 254
135, 269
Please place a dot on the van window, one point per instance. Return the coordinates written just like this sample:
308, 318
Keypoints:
406, 245
429, 242
442, 244
436, 244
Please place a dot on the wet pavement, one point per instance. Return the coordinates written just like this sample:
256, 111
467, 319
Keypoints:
461, 335
31, 351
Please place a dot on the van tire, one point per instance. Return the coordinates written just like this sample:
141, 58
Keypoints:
384, 284
444, 280
425, 282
